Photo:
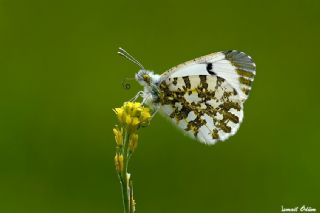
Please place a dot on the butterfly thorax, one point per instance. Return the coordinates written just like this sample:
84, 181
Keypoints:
150, 82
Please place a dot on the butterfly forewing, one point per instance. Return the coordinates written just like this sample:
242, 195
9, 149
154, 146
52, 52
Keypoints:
237, 68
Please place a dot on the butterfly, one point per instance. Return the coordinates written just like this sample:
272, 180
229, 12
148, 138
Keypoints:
204, 97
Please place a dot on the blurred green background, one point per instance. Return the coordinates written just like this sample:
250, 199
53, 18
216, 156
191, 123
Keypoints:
60, 77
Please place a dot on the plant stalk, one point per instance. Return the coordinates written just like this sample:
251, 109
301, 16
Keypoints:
124, 177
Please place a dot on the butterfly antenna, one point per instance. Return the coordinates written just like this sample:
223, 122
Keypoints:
125, 54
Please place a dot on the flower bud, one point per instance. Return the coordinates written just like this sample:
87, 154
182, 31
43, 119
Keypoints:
118, 160
133, 141
118, 136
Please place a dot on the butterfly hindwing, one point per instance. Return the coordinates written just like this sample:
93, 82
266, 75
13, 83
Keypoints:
206, 107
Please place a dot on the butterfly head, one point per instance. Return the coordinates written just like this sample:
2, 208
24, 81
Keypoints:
146, 78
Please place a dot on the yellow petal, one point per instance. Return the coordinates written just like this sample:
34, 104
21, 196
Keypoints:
136, 104
128, 120
118, 110
135, 121
145, 115
129, 106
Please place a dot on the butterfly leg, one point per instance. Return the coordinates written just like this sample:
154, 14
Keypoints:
139, 94
145, 99
154, 112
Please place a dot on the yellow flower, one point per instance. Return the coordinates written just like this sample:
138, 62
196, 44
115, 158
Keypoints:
135, 122
145, 115
118, 135
120, 114
133, 115
118, 161
133, 141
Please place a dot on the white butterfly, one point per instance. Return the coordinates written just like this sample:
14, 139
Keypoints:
204, 97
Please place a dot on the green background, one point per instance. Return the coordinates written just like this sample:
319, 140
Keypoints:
60, 77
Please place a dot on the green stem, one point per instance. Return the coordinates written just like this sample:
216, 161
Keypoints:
125, 187
125, 196
132, 204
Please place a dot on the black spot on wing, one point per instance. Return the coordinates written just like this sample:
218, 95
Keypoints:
210, 69
203, 81
175, 81
187, 82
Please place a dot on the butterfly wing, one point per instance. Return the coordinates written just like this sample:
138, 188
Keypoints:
204, 97
236, 67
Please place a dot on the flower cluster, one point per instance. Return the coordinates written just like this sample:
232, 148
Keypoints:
133, 115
